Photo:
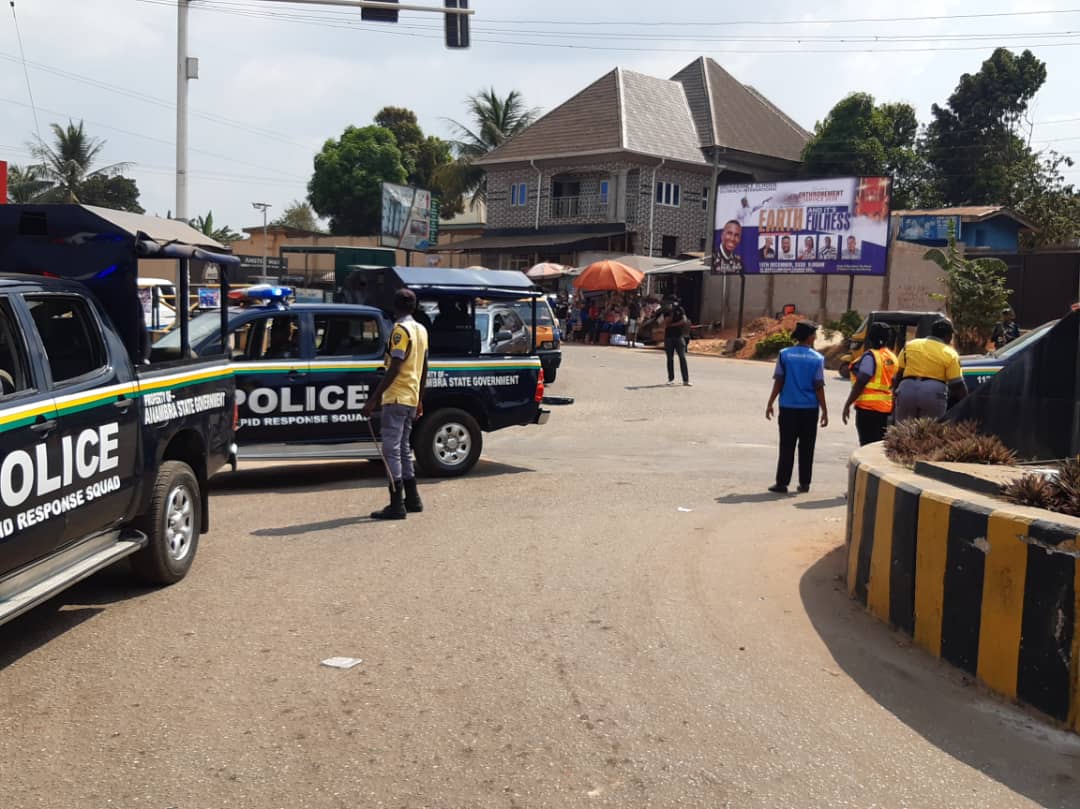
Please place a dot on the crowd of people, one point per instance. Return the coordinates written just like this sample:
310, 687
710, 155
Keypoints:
586, 318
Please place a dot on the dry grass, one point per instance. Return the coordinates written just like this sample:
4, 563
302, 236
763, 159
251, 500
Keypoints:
1060, 494
930, 440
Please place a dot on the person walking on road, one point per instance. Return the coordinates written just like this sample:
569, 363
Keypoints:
872, 394
401, 394
928, 370
676, 330
799, 381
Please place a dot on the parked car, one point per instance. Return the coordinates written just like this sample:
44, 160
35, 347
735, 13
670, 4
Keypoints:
502, 331
979, 369
548, 337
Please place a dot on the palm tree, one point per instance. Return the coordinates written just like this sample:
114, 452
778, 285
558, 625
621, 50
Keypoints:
68, 163
205, 225
25, 184
494, 120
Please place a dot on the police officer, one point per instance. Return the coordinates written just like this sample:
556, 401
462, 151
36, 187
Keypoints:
928, 370
871, 393
1007, 330
401, 394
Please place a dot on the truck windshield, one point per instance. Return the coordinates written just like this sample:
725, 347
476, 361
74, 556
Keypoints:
199, 329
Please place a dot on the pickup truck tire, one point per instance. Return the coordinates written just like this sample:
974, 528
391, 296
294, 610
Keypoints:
550, 371
171, 524
447, 443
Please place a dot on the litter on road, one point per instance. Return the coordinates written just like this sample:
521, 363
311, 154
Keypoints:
342, 662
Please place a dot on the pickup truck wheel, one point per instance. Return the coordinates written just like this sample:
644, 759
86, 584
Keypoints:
448, 443
550, 371
171, 524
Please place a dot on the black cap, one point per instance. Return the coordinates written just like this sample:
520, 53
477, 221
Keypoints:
803, 330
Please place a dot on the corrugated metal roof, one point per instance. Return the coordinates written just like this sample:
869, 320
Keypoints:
969, 213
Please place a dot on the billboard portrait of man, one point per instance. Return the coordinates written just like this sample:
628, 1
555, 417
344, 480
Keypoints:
787, 248
827, 250
768, 248
727, 258
851, 249
808, 251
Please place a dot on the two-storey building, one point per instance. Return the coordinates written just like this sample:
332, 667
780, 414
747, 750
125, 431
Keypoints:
628, 166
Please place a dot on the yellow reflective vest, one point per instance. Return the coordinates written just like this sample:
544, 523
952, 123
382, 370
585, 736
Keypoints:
878, 395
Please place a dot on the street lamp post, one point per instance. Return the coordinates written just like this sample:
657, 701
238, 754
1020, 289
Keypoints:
262, 206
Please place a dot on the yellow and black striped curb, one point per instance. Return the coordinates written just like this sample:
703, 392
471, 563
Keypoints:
990, 587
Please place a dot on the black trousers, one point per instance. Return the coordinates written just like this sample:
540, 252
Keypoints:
870, 425
798, 427
673, 346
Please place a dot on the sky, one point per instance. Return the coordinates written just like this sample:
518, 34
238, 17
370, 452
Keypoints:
278, 79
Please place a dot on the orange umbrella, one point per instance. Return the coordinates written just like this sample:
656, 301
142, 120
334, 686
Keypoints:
608, 275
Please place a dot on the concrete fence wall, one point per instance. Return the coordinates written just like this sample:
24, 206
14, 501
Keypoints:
991, 588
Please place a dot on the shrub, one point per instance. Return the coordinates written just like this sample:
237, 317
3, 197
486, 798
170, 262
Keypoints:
771, 346
929, 440
1060, 494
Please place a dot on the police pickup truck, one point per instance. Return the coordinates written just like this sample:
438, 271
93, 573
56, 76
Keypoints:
106, 444
304, 370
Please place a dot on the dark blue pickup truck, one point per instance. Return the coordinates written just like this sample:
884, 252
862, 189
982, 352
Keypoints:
304, 370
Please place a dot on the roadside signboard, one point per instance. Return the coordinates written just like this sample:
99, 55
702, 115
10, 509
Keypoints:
836, 226
928, 228
410, 218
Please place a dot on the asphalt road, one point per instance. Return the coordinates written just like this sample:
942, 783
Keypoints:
609, 612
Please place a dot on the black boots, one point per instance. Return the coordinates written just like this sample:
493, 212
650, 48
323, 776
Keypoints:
413, 503
396, 509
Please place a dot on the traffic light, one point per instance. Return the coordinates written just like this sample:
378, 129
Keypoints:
379, 14
457, 25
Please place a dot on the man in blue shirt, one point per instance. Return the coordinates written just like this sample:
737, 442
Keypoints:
799, 381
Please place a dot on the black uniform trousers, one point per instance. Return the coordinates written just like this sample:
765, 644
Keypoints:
673, 346
870, 425
798, 427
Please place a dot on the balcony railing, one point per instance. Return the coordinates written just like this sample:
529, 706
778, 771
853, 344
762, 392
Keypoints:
586, 206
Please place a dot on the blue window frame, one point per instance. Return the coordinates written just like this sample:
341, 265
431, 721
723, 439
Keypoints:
604, 187
519, 194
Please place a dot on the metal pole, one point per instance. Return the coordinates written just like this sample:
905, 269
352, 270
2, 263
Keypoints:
742, 299
266, 243
182, 7
850, 292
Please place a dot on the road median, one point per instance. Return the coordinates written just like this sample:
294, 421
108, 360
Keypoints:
986, 585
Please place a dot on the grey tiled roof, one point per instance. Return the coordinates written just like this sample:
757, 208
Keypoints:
657, 119
701, 106
732, 115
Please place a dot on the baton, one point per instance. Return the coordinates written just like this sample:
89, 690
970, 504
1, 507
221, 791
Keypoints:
378, 446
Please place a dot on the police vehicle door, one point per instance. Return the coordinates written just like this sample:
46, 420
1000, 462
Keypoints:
98, 414
345, 369
28, 438
271, 375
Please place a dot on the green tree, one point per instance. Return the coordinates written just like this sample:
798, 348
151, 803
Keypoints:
974, 143
206, 226
861, 138
299, 215
975, 295
346, 186
425, 158
25, 184
118, 193
68, 162
493, 119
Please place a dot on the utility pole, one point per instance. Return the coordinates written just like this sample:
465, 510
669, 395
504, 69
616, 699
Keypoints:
455, 12
262, 206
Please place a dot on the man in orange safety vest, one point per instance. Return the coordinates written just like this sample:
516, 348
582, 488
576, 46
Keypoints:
871, 393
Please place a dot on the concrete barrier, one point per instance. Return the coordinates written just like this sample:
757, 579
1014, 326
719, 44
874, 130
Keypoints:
990, 587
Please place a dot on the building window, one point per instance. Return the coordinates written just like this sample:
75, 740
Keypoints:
668, 194
669, 247
604, 192
519, 194
705, 198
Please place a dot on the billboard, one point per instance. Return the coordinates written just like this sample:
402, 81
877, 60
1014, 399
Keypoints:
410, 218
928, 228
837, 226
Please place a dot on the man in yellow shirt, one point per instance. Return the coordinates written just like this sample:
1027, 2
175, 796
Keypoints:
928, 370
401, 394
